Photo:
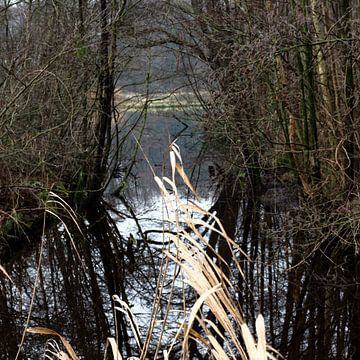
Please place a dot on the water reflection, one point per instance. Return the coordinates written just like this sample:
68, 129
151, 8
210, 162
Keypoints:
161, 129
115, 249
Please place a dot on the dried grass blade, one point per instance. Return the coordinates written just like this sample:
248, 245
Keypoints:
2, 269
260, 332
52, 351
46, 331
125, 309
175, 148
217, 349
114, 348
69, 234
226, 343
186, 180
173, 165
166, 355
249, 342
161, 186
194, 311
190, 205
171, 183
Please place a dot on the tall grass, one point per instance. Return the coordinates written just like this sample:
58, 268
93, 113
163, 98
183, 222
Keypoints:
226, 335
206, 277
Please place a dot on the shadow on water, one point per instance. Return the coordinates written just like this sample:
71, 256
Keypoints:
151, 157
112, 248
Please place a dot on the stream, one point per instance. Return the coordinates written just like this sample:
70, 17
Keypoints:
73, 273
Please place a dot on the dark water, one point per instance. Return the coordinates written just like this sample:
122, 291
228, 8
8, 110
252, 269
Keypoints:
75, 273
119, 251
152, 154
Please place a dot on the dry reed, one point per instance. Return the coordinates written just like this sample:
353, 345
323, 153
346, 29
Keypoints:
203, 275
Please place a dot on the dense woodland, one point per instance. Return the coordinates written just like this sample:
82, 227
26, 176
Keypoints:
278, 86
